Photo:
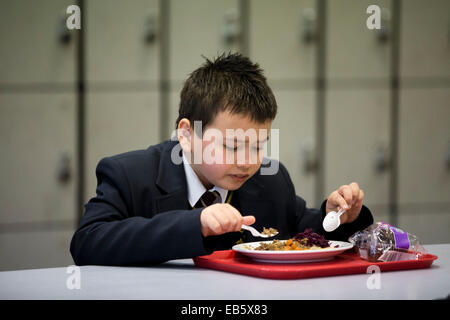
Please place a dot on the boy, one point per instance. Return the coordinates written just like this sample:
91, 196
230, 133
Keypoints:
185, 198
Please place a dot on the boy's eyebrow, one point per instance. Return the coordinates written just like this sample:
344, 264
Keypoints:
235, 140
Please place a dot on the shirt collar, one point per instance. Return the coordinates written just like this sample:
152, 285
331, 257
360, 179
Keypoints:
195, 187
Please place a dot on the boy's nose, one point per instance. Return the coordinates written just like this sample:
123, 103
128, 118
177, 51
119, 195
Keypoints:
243, 166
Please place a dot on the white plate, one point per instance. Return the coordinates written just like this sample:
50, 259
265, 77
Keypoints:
292, 256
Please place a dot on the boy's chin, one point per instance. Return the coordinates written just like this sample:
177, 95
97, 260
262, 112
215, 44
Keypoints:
230, 184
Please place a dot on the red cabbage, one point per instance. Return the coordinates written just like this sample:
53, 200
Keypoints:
312, 239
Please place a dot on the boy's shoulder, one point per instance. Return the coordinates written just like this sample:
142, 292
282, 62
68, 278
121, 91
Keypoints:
143, 159
152, 151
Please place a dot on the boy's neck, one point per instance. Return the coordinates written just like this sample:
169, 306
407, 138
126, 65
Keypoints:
208, 185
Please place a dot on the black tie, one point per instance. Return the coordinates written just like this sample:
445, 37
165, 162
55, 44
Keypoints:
208, 198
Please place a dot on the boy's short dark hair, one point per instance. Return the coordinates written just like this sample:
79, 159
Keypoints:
231, 82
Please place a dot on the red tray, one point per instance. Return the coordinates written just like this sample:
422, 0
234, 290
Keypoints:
345, 263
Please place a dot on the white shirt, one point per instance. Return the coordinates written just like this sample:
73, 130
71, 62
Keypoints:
195, 187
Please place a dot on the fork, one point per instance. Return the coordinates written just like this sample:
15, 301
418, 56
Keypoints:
255, 232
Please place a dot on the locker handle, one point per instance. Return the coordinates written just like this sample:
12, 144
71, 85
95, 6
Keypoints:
63, 168
381, 159
382, 34
310, 163
308, 25
231, 29
64, 35
447, 157
151, 29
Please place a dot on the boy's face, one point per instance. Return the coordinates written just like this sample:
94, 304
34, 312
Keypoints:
228, 153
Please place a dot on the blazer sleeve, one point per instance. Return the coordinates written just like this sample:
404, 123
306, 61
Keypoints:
305, 217
109, 234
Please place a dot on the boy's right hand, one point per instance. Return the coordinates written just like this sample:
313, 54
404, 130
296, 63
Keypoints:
221, 218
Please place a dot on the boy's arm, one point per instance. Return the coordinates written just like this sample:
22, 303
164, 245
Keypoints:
109, 235
312, 218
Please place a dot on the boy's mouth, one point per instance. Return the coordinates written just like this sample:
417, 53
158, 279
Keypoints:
239, 177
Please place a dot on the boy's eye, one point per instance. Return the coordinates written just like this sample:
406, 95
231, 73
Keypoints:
231, 148
235, 148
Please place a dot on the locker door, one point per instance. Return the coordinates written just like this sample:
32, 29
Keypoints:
354, 51
38, 171
424, 162
37, 133
296, 124
35, 249
123, 43
424, 155
424, 39
197, 28
356, 143
174, 99
32, 51
122, 40
117, 123
285, 25
38, 178
357, 116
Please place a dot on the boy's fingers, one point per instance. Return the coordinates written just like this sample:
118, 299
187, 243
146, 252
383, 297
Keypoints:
361, 195
224, 218
239, 222
215, 226
248, 220
232, 215
355, 192
340, 202
212, 226
346, 192
238, 218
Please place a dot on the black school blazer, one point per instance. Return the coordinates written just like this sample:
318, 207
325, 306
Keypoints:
141, 214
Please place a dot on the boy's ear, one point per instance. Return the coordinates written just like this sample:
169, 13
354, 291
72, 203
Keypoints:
184, 134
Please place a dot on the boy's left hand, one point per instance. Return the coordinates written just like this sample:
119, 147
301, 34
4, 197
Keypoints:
348, 197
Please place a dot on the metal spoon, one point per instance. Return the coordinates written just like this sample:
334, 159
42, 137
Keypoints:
332, 221
256, 233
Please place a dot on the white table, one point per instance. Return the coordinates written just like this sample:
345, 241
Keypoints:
181, 280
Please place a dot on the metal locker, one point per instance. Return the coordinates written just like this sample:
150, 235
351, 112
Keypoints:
200, 27
354, 50
173, 110
429, 223
283, 38
36, 45
38, 175
424, 135
122, 41
290, 26
35, 249
116, 123
424, 146
424, 39
357, 124
297, 146
38, 172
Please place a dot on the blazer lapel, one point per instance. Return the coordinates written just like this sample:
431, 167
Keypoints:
253, 201
251, 194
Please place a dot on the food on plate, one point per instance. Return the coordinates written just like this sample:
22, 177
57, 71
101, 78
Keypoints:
270, 231
302, 241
